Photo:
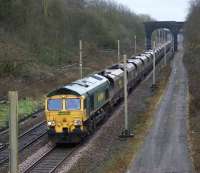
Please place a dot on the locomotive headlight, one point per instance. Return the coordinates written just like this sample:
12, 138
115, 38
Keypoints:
77, 122
51, 123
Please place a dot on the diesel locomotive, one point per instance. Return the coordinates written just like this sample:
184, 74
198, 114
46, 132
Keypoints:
73, 111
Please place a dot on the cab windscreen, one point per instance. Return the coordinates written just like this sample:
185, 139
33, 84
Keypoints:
73, 104
54, 104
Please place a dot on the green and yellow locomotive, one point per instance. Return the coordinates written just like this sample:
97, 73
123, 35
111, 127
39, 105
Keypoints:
74, 110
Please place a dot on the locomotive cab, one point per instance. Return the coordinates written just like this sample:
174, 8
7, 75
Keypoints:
65, 115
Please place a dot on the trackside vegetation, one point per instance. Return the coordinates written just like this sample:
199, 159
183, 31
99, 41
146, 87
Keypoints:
26, 107
192, 63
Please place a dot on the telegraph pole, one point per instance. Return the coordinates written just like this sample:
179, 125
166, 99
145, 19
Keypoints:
126, 131
45, 6
118, 51
165, 59
13, 136
81, 59
125, 94
156, 40
135, 42
154, 66
159, 37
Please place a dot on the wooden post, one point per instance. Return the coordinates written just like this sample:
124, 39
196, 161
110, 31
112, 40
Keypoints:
81, 61
125, 93
118, 51
13, 136
45, 6
135, 43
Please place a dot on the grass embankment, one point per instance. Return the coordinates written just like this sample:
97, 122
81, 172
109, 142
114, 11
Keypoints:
192, 63
121, 160
26, 107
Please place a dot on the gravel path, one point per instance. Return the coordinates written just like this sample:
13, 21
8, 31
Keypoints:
165, 149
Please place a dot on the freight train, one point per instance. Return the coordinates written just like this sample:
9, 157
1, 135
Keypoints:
73, 111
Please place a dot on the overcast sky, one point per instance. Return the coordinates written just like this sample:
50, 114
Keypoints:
159, 9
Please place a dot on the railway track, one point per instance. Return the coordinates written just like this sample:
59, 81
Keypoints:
3, 99
51, 160
25, 140
5, 130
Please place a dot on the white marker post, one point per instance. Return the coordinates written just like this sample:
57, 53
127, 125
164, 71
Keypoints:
13, 132
81, 60
126, 131
135, 43
118, 51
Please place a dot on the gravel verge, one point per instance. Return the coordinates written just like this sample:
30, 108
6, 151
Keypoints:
36, 156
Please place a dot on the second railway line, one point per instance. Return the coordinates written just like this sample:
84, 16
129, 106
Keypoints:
25, 140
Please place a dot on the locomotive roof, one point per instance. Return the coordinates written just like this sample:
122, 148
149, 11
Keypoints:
82, 86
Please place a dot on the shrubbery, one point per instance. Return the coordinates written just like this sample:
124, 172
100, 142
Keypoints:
192, 63
51, 34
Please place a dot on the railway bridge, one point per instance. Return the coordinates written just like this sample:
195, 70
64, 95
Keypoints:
173, 26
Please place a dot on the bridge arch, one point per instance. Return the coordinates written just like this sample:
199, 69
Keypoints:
173, 26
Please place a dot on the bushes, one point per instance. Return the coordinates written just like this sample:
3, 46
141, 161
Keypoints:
192, 45
192, 63
53, 38
5, 9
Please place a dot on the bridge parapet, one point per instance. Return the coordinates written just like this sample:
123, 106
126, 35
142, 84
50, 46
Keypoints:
173, 26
